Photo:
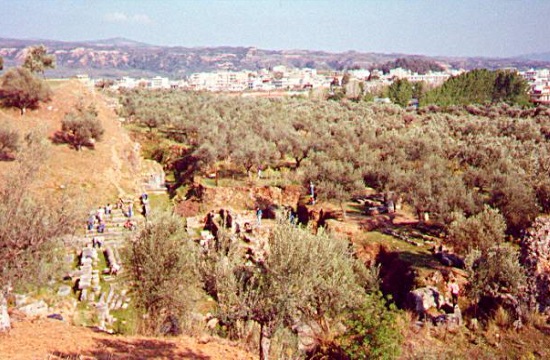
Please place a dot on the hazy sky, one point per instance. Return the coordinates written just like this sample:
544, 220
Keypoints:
429, 27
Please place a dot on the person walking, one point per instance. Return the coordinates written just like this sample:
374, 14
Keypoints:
454, 289
259, 214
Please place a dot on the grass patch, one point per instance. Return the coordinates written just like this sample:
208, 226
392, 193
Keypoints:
127, 319
417, 256
160, 202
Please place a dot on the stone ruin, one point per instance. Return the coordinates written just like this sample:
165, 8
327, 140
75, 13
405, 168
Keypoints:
427, 302
153, 177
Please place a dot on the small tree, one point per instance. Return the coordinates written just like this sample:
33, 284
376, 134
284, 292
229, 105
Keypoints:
480, 231
81, 127
371, 331
162, 263
20, 89
37, 59
496, 275
29, 225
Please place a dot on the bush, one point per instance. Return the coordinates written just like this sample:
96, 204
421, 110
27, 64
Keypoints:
9, 142
496, 277
372, 331
80, 128
30, 225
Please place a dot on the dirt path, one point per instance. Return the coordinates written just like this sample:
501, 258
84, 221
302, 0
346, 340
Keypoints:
53, 339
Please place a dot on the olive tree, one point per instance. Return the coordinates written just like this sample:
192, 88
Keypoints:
162, 263
37, 59
480, 231
81, 127
21, 89
303, 277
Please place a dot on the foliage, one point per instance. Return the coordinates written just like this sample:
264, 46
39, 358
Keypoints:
303, 277
81, 127
20, 89
480, 231
414, 64
445, 161
495, 273
30, 225
480, 86
371, 330
9, 141
37, 59
400, 92
162, 264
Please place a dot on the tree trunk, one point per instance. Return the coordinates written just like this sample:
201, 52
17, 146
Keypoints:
265, 342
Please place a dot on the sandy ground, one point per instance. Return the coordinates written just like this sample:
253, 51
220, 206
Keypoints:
53, 339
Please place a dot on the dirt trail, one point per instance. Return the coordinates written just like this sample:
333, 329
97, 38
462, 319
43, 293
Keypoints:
53, 339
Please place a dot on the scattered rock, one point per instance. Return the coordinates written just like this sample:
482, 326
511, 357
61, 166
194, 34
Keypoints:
423, 299
212, 323
5, 323
64, 290
39, 308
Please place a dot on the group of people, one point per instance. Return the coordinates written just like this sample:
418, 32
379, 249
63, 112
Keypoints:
99, 218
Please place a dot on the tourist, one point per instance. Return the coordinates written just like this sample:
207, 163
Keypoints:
97, 241
91, 222
130, 225
108, 209
259, 214
100, 213
101, 227
454, 290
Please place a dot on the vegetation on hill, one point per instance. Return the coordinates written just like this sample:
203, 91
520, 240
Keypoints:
439, 163
20, 88
31, 226
480, 87
414, 64
475, 175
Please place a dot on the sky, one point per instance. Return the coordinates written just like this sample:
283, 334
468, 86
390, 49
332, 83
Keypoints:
491, 28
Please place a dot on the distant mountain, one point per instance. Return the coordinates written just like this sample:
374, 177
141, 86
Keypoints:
122, 57
545, 56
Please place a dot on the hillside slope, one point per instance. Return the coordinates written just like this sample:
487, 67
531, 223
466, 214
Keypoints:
99, 175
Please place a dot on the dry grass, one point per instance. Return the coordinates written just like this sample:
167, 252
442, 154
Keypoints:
95, 176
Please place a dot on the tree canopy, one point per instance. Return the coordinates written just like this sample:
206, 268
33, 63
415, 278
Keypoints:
37, 59
442, 163
303, 277
480, 86
21, 89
